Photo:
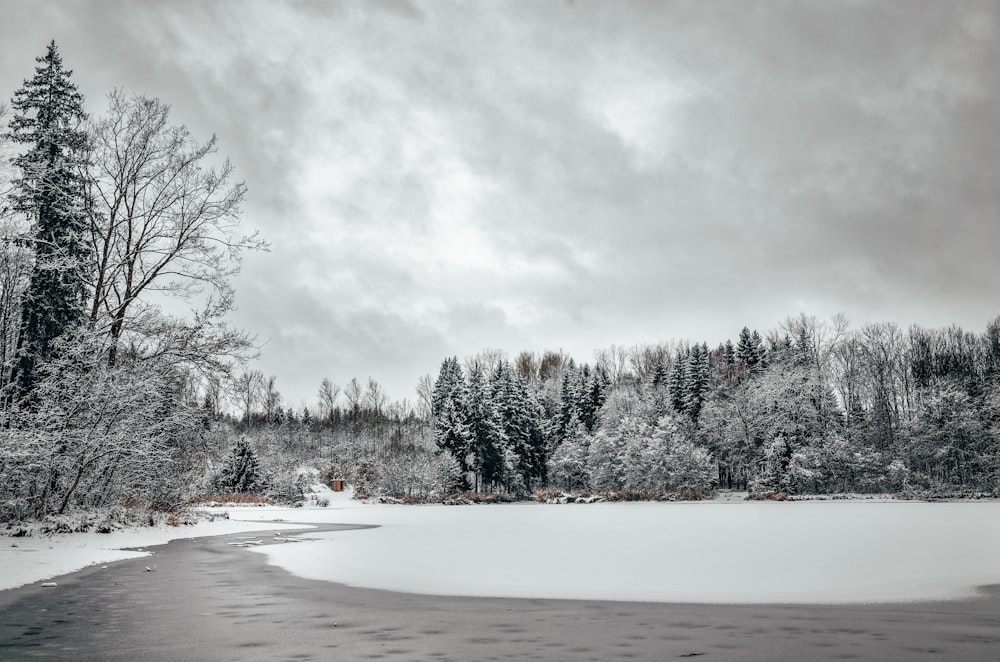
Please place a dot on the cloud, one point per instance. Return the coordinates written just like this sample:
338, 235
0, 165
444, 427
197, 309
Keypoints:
436, 178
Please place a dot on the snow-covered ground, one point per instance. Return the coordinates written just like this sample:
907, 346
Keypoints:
40, 557
821, 551
817, 551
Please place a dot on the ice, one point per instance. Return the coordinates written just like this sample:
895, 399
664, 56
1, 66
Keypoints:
677, 552
819, 551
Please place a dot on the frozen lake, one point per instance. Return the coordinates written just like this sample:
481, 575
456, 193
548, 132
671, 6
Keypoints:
813, 551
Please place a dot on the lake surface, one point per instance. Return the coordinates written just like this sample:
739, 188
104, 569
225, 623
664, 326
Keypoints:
812, 551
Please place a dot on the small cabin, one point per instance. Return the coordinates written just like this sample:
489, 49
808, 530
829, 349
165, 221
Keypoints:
337, 485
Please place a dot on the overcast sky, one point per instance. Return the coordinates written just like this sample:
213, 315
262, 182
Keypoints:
438, 178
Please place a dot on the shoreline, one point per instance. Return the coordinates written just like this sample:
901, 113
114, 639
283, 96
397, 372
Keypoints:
208, 600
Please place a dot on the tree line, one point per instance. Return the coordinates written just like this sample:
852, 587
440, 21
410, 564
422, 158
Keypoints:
812, 407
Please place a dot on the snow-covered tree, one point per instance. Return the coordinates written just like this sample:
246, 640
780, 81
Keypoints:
451, 428
49, 191
568, 465
241, 472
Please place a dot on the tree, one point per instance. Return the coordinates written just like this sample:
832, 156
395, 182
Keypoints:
353, 394
568, 463
451, 428
488, 441
50, 193
96, 434
162, 220
248, 386
242, 472
696, 384
328, 392
425, 398
15, 269
750, 351
677, 384
271, 398
375, 398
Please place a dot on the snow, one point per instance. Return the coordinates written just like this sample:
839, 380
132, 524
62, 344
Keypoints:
739, 552
31, 559
819, 551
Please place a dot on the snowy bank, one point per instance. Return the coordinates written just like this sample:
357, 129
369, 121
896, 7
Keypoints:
40, 557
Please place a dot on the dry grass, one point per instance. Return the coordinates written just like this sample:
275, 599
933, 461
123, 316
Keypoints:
242, 498
770, 496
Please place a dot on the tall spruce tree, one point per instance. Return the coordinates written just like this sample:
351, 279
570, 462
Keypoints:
696, 384
50, 192
677, 385
750, 351
450, 404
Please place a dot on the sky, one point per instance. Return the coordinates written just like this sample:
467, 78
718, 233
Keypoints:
438, 178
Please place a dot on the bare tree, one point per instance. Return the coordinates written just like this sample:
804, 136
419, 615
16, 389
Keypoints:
247, 387
552, 364
614, 361
15, 268
425, 398
15, 258
328, 392
375, 397
353, 394
271, 397
162, 219
526, 365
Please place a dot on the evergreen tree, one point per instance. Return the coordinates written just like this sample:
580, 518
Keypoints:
449, 401
595, 397
487, 438
661, 374
729, 353
242, 471
696, 383
50, 192
750, 351
568, 399
678, 381
520, 415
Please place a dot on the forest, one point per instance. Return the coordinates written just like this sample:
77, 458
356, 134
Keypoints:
123, 386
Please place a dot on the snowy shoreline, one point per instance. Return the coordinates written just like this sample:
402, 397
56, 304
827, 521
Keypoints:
39, 558
42, 557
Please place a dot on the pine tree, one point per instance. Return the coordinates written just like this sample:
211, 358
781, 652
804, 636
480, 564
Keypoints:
487, 439
678, 381
750, 351
696, 384
524, 453
729, 353
595, 397
661, 374
242, 471
568, 409
450, 405
50, 192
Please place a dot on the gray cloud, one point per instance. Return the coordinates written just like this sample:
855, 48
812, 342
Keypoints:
438, 178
